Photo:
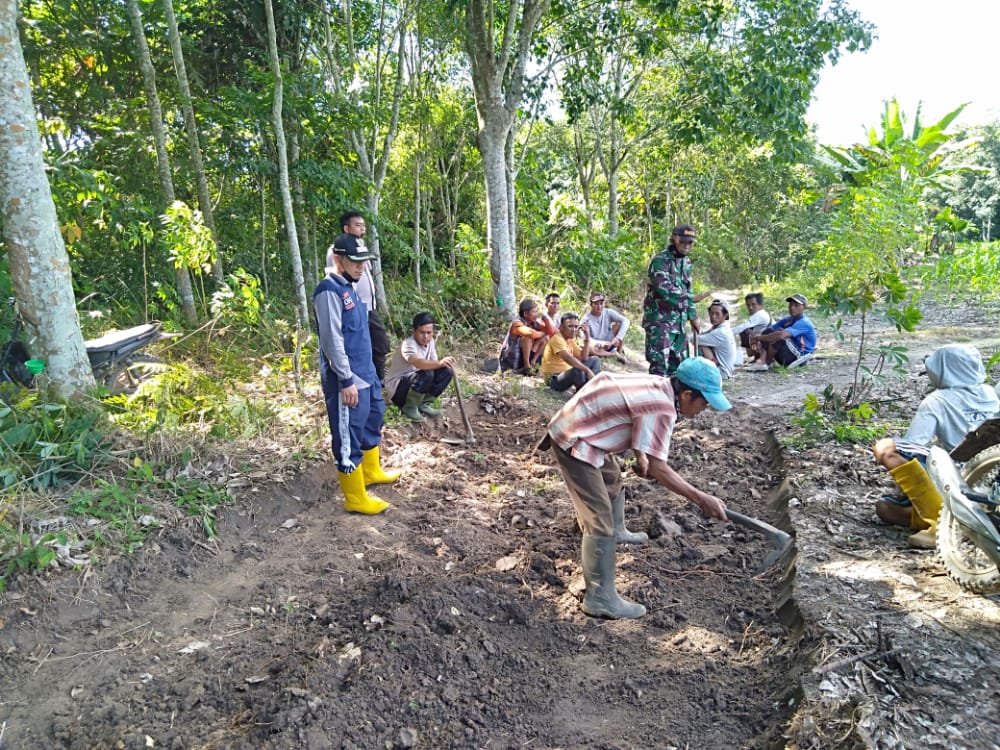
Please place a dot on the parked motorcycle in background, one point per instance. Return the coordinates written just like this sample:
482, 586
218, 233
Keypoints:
115, 357
968, 534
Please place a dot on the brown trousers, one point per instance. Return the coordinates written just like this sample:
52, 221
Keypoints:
591, 489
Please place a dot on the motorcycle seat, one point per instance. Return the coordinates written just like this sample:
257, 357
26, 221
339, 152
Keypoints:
114, 340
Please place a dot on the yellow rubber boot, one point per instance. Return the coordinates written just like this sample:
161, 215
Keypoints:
356, 499
372, 465
913, 479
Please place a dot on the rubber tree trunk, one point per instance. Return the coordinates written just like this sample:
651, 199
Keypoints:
498, 54
295, 256
184, 289
39, 264
191, 128
498, 238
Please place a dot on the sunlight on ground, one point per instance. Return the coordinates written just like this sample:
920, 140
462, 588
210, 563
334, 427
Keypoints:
434, 463
691, 638
906, 591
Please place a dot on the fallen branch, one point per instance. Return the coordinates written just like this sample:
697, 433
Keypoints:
823, 669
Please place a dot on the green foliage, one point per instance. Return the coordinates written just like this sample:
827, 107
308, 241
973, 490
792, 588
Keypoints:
457, 297
972, 269
188, 240
974, 195
117, 509
194, 498
186, 399
880, 227
23, 553
579, 257
45, 444
239, 301
993, 361
832, 418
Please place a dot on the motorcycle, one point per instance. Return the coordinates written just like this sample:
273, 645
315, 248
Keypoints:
968, 533
114, 357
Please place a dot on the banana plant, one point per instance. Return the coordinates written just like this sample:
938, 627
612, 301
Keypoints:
911, 152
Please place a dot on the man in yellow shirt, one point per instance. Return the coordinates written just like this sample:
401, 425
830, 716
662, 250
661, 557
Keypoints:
565, 364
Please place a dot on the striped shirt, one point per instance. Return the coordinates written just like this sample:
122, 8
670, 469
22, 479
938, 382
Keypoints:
613, 413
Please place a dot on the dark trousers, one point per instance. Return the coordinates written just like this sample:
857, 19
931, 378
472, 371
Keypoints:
353, 430
380, 343
431, 383
574, 377
785, 352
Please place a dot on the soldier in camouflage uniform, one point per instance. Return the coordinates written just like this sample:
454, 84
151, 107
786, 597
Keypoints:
669, 304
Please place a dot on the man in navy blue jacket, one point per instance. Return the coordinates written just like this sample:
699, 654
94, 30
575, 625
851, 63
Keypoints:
351, 387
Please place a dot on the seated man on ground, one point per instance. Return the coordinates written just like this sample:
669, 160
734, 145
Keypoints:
607, 327
526, 339
789, 342
552, 308
566, 364
717, 345
959, 403
759, 320
416, 376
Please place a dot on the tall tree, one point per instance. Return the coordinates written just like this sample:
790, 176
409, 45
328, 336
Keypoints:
687, 72
160, 140
302, 305
498, 50
376, 102
191, 128
39, 265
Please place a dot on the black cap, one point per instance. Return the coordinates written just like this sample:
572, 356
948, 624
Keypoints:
351, 247
685, 232
798, 299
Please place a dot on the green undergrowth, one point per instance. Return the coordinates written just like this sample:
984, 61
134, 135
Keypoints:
185, 398
79, 481
828, 418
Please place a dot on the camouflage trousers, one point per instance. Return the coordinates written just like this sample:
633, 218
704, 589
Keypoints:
666, 346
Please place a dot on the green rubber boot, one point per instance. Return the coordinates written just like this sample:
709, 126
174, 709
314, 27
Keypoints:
426, 408
622, 534
601, 599
411, 407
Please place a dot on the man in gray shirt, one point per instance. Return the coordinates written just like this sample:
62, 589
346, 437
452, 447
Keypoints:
607, 328
353, 223
718, 344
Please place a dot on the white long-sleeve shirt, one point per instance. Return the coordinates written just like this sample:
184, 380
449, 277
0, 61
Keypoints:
759, 318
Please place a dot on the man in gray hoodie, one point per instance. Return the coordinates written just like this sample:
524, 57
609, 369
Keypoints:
960, 402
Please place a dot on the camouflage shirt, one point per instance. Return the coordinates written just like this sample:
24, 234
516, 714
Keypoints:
669, 297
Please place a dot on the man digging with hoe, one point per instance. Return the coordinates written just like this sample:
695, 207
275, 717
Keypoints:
610, 415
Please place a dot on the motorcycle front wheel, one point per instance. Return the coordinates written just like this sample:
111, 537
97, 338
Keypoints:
965, 563
125, 376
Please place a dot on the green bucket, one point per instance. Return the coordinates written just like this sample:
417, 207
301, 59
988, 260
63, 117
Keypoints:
35, 366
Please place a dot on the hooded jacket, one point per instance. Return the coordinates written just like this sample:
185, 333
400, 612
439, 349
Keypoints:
960, 402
